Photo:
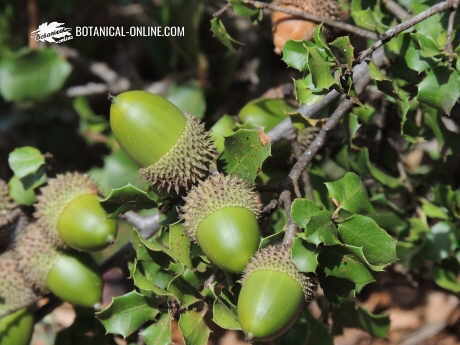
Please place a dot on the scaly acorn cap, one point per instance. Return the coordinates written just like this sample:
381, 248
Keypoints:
9, 210
35, 255
214, 193
278, 258
55, 197
187, 162
15, 292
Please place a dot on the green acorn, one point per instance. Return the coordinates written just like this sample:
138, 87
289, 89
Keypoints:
69, 211
9, 212
221, 216
174, 149
17, 328
15, 292
272, 294
67, 276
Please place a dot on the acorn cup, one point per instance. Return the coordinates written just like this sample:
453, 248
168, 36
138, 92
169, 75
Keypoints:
174, 149
221, 216
69, 212
47, 269
17, 328
287, 27
9, 213
15, 291
273, 293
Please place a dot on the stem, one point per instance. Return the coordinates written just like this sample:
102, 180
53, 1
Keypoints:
396, 9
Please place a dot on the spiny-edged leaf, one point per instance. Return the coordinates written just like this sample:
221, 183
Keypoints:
320, 69
413, 57
28, 164
433, 211
295, 55
447, 278
126, 198
343, 50
340, 264
194, 328
304, 256
126, 314
309, 329
350, 193
379, 175
303, 209
158, 333
440, 89
220, 32
21, 195
179, 244
376, 73
350, 315
441, 242
363, 232
25, 161
321, 230
225, 317
118, 171
188, 97
243, 10
32, 75
244, 154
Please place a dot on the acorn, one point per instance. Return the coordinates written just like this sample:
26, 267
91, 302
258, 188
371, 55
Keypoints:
265, 113
287, 27
221, 216
9, 212
68, 276
173, 148
15, 291
273, 293
70, 213
17, 328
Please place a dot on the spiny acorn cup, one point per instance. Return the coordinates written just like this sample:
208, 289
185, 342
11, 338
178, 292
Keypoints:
288, 27
272, 294
68, 276
221, 216
9, 212
17, 328
174, 149
70, 213
15, 291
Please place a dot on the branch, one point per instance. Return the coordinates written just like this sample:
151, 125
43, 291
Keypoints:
283, 130
316, 19
396, 9
451, 31
392, 32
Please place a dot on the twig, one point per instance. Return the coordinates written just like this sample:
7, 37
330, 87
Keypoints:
313, 148
32, 14
392, 32
451, 32
221, 11
283, 130
310, 110
147, 225
396, 9
316, 19
424, 333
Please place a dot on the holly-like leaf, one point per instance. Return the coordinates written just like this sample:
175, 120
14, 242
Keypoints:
188, 97
32, 75
338, 263
126, 314
350, 193
194, 328
302, 210
343, 50
225, 317
304, 256
28, 164
158, 333
378, 174
127, 198
220, 32
295, 55
363, 232
447, 278
245, 152
440, 89
320, 69
321, 230
179, 244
